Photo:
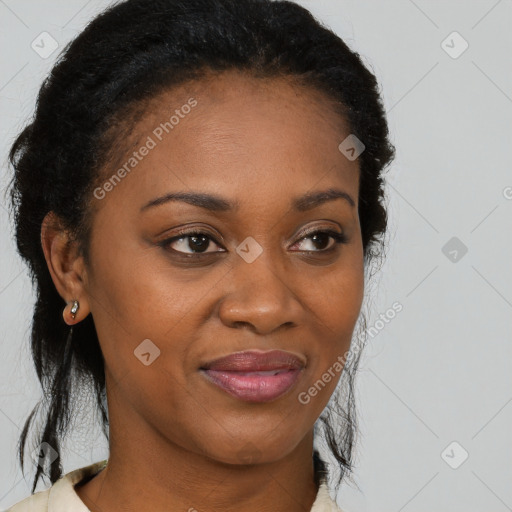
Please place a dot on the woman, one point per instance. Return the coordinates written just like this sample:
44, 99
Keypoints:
199, 197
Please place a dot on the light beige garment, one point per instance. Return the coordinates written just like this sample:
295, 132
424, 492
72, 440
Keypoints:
62, 497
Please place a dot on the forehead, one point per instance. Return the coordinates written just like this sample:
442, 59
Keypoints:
233, 132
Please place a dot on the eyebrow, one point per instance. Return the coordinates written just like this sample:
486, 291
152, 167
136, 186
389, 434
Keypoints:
214, 203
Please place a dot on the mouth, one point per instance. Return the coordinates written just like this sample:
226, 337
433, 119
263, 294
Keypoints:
255, 376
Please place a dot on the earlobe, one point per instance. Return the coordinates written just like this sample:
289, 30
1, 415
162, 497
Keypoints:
69, 313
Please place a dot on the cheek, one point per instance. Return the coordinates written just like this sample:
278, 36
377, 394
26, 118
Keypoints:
135, 286
162, 305
337, 302
337, 299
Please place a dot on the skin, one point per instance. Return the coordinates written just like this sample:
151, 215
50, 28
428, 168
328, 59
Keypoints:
175, 439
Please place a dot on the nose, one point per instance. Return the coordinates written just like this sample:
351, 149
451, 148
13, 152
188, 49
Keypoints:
260, 298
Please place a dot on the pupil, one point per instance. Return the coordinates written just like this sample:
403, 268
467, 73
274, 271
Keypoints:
197, 245
320, 236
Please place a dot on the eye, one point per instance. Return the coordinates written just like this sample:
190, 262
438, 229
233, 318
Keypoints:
321, 237
195, 241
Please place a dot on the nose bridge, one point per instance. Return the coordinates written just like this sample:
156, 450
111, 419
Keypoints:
259, 293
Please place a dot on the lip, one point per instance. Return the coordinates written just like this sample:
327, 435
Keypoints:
255, 376
256, 360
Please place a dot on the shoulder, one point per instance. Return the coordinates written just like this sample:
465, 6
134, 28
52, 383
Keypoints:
323, 501
61, 496
37, 502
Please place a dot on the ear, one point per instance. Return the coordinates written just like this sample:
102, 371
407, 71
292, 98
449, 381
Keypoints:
66, 267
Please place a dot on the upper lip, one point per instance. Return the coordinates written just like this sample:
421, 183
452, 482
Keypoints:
254, 360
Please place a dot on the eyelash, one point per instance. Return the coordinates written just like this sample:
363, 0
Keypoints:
339, 238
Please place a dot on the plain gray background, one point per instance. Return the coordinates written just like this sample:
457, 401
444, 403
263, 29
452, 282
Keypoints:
438, 373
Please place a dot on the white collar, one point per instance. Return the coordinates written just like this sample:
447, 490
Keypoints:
62, 497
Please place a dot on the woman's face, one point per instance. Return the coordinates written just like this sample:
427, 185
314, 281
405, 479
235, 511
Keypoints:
255, 278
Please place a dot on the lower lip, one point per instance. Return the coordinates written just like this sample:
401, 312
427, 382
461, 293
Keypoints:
253, 387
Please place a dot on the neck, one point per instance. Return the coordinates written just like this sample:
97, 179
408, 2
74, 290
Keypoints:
146, 471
